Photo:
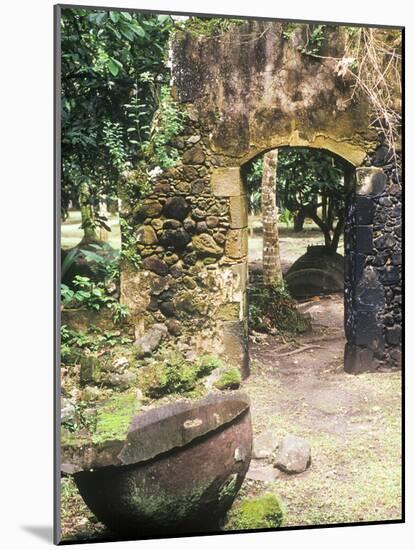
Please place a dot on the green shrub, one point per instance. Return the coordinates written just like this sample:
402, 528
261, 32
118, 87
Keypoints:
263, 512
271, 306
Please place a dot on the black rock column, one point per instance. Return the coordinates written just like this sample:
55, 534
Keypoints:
364, 289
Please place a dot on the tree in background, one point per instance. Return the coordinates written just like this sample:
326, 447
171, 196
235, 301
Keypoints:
310, 185
113, 68
272, 272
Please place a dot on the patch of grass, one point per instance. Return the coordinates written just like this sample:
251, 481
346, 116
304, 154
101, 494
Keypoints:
263, 512
355, 473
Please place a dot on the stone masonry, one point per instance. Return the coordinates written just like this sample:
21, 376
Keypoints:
244, 92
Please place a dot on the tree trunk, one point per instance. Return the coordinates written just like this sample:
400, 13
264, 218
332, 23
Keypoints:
337, 233
299, 219
103, 211
271, 246
87, 213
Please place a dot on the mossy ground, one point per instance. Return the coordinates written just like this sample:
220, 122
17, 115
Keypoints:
263, 512
114, 417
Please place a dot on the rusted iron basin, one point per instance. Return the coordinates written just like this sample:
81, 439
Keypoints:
177, 472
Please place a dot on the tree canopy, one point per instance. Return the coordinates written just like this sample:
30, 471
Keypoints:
113, 67
309, 184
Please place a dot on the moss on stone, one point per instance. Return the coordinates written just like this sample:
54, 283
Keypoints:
170, 374
263, 512
207, 363
114, 417
229, 380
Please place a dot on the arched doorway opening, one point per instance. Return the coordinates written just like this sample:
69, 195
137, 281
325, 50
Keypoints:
297, 212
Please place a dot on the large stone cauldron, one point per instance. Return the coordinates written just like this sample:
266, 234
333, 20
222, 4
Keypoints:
178, 470
318, 271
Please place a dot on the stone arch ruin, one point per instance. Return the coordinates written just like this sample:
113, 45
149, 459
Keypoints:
244, 92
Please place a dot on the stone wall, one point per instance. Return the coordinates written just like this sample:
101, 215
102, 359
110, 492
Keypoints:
245, 92
374, 267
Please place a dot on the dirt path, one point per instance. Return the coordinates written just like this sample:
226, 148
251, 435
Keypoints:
351, 422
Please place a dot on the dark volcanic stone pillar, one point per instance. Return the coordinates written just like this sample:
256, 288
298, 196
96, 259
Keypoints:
372, 281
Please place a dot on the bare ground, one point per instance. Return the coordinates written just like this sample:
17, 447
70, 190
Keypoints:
351, 422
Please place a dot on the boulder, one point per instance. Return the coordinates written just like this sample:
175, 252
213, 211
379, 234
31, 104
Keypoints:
176, 238
150, 341
294, 455
68, 410
176, 208
146, 235
194, 155
153, 263
122, 381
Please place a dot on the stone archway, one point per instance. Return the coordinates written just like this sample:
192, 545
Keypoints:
245, 92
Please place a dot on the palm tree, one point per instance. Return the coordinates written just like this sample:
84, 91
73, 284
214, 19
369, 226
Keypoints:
271, 246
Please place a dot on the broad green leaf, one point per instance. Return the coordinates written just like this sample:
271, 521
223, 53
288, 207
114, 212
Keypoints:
113, 66
139, 31
115, 16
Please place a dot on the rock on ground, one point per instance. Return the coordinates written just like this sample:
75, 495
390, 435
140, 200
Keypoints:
264, 444
147, 343
294, 455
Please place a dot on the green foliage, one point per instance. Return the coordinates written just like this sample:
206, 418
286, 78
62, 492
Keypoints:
92, 296
307, 180
210, 26
113, 64
230, 380
87, 294
254, 177
271, 307
103, 260
129, 251
74, 343
285, 216
207, 363
290, 28
168, 123
315, 40
315, 37
262, 512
